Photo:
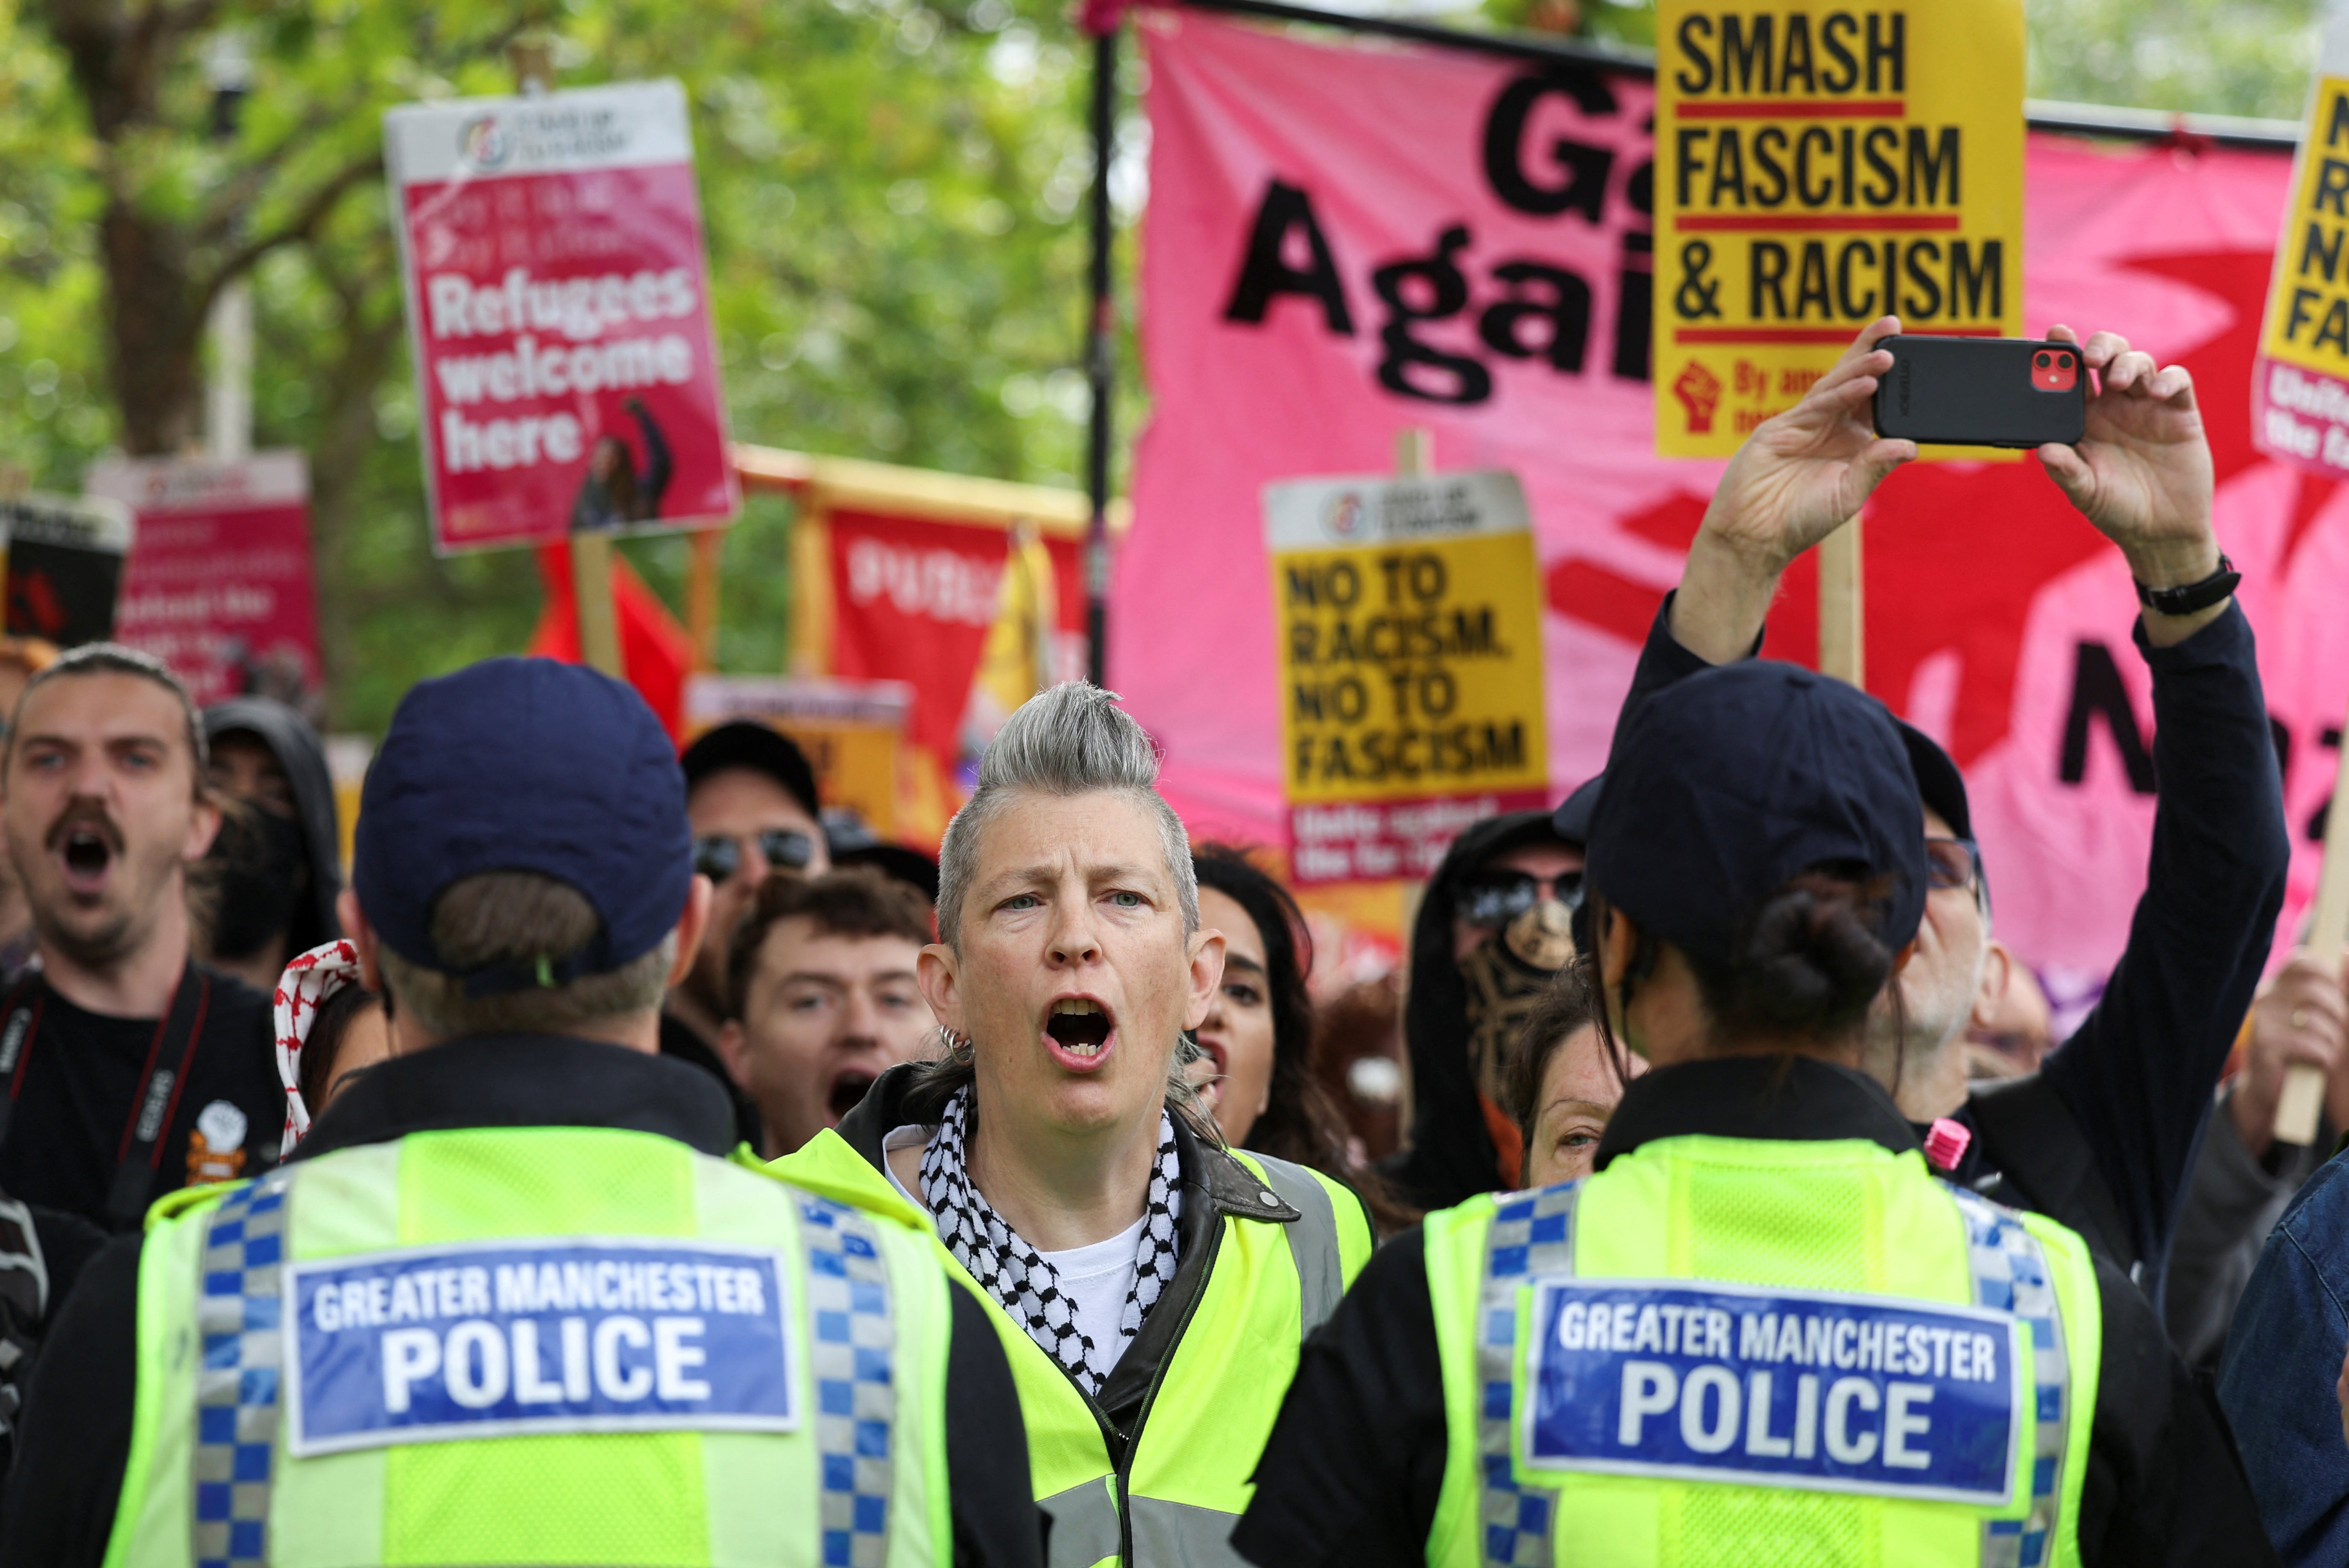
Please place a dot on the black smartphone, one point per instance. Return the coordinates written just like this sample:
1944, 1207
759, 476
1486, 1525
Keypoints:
1983, 391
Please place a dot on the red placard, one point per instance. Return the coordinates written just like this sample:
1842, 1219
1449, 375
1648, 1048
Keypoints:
218, 584
558, 309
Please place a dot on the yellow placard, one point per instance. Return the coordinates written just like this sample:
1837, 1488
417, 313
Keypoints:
1816, 168
2300, 387
1408, 632
2308, 303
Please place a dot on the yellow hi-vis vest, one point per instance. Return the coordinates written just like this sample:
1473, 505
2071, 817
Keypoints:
1729, 1351
1184, 1482
534, 1346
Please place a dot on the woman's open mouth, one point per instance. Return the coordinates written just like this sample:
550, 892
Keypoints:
1079, 1030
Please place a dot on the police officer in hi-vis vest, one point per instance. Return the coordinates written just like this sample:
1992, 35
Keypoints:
515, 1299
1764, 1332
1151, 1286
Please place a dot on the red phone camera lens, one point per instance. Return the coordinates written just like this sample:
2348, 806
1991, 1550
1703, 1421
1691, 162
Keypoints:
2064, 362
2042, 362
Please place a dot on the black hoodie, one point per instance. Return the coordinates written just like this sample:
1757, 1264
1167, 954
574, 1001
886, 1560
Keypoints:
1451, 1157
300, 752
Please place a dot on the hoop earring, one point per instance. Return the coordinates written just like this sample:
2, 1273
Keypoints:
959, 1047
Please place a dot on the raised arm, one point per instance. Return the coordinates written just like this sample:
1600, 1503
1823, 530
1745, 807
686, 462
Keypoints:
1798, 477
2138, 1075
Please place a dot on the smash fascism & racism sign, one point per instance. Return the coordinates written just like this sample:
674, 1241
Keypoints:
1816, 168
1410, 665
2300, 386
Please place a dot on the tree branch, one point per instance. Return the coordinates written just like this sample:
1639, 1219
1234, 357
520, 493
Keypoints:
302, 226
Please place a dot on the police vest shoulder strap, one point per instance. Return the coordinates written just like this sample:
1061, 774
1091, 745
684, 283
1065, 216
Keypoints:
2011, 1275
1531, 1233
1313, 1239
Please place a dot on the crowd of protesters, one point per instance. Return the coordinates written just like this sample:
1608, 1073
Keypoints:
1672, 1032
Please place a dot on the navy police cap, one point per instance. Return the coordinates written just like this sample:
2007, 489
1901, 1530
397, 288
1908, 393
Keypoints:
525, 765
1727, 784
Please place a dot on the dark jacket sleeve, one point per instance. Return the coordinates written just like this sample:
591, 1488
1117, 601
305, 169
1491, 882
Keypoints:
1662, 663
2277, 1379
2164, 1483
996, 1523
1354, 1467
75, 1437
2231, 1203
2138, 1074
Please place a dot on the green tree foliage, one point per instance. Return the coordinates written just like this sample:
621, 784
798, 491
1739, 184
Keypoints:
894, 200
894, 192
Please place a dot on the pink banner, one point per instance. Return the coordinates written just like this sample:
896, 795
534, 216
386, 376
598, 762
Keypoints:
1347, 241
218, 584
558, 305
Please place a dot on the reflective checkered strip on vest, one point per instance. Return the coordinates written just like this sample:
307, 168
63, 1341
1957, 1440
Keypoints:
237, 1377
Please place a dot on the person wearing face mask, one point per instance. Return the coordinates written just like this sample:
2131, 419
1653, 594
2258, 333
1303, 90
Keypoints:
2102, 1136
1151, 1287
276, 868
1493, 929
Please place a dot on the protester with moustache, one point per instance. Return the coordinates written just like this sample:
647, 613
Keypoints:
2101, 1138
1151, 1286
130, 1071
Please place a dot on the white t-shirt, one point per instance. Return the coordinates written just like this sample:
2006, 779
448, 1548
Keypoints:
1097, 1277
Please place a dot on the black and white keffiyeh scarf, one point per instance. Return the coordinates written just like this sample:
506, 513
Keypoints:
1018, 1276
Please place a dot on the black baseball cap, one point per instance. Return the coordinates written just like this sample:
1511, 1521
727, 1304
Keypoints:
746, 743
1939, 783
525, 765
1725, 784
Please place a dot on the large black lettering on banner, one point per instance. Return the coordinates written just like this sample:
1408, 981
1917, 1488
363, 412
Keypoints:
1524, 308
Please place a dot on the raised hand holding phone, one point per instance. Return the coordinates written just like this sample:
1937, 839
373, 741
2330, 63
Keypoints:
2142, 471
1798, 477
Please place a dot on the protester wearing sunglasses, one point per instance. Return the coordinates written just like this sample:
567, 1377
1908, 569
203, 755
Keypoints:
1492, 930
751, 798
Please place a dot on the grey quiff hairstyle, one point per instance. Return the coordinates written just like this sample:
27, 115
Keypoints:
1072, 739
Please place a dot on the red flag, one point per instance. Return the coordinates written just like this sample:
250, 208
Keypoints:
654, 650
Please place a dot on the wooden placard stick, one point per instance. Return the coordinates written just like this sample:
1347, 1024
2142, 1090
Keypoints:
2301, 1103
1843, 609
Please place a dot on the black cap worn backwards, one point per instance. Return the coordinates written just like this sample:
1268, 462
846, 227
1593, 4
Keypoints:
1727, 784
746, 743
525, 765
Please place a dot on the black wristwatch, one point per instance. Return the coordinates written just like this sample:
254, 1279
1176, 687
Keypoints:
2192, 596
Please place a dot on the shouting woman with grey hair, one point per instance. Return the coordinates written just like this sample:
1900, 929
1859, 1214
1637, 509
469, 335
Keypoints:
1151, 1286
